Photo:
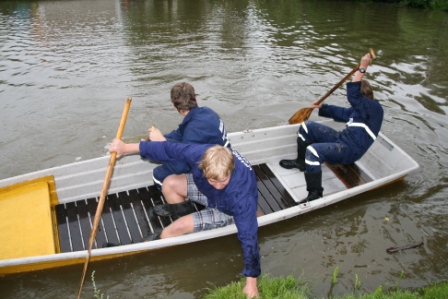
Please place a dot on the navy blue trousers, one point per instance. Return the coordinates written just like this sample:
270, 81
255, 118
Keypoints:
168, 168
326, 146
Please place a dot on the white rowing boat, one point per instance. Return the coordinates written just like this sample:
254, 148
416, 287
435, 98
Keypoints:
46, 216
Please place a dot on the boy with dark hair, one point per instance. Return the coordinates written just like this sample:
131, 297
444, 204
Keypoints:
200, 125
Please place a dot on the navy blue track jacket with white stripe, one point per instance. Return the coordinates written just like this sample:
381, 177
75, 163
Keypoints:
200, 125
363, 118
238, 199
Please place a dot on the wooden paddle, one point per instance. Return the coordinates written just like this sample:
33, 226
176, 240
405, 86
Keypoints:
103, 195
304, 113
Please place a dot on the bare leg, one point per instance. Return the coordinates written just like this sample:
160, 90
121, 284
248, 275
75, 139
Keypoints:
181, 226
174, 188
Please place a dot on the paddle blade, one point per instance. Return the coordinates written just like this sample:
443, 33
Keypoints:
300, 116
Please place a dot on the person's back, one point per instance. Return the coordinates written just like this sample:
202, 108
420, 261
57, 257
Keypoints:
201, 125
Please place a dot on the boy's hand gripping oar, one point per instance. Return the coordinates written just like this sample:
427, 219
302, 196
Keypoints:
304, 113
106, 182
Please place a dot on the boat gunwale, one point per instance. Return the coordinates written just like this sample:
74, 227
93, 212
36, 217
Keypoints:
205, 235
263, 220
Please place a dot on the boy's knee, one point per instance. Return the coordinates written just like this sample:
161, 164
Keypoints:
181, 226
169, 184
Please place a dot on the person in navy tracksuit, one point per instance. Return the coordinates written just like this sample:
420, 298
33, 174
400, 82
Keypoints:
200, 125
318, 143
220, 179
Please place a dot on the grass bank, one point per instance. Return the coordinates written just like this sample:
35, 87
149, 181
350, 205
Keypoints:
296, 288
427, 4
292, 288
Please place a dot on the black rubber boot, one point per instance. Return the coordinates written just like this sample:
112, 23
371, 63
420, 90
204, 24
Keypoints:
153, 237
175, 210
313, 186
300, 161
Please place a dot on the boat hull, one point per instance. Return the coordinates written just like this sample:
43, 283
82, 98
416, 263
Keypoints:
383, 164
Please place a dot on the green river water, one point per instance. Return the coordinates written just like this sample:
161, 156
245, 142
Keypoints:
67, 67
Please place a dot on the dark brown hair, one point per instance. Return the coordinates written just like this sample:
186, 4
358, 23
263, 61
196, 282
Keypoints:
366, 89
183, 97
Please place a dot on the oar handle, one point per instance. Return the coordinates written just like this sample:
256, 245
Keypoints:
124, 116
372, 54
304, 113
108, 176
103, 195
338, 85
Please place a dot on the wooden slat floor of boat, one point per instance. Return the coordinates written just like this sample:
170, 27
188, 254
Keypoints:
350, 175
128, 216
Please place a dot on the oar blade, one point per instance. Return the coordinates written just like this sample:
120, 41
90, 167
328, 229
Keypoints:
300, 116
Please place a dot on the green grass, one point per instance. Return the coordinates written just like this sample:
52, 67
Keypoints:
291, 288
426, 4
269, 287
296, 288
429, 4
96, 292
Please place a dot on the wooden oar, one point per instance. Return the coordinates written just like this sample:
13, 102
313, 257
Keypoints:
103, 195
304, 113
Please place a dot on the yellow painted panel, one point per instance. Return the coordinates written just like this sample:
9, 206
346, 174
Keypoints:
26, 221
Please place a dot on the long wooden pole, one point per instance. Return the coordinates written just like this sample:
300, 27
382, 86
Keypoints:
106, 183
304, 113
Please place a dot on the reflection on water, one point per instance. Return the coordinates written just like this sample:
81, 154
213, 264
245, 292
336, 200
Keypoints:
67, 67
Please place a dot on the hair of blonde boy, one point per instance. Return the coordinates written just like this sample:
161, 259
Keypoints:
217, 163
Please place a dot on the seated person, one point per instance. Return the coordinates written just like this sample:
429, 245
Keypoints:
200, 125
317, 143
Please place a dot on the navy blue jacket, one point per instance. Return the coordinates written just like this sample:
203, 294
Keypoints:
363, 118
238, 199
201, 125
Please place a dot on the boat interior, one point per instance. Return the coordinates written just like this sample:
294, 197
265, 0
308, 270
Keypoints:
128, 215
